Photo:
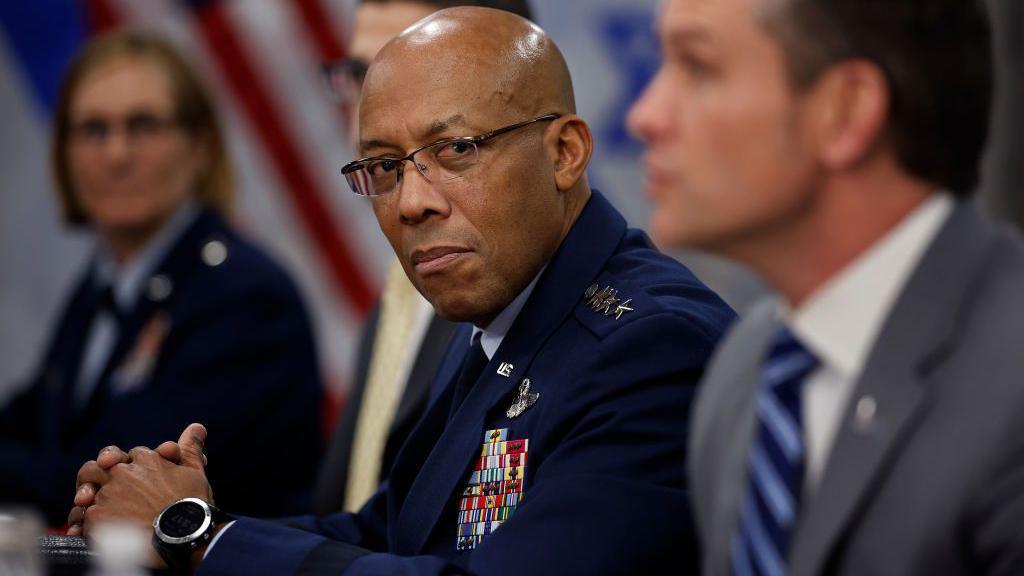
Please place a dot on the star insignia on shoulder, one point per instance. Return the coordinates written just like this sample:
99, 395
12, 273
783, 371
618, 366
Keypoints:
523, 401
607, 301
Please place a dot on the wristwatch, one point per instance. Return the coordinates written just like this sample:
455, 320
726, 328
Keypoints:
182, 527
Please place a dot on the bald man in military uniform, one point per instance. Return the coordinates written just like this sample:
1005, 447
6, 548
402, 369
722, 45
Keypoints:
557, 444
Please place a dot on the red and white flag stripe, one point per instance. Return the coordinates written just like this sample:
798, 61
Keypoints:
288, 142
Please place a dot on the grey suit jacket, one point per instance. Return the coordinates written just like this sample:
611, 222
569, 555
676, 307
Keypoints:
931, 481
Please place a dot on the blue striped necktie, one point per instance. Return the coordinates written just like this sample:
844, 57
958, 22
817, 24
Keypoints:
776, 463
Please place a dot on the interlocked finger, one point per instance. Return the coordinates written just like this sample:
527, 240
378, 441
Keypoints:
111, 456
141, 454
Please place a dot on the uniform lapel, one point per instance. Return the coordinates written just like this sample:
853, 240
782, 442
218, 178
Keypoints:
65, 360
128, 334
592, 240
180, 262
438, 478
917, 336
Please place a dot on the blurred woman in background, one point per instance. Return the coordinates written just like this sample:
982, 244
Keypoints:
176, 318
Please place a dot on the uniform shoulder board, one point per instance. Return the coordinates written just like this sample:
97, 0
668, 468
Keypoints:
606, 305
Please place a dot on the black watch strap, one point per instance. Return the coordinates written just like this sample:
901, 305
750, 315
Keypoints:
220, 516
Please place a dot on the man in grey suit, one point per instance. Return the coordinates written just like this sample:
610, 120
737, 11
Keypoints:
871, 419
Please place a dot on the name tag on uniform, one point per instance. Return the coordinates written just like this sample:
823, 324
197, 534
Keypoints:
494, 489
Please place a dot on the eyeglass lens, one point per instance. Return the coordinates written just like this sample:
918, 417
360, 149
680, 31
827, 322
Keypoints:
137, 127
441, 162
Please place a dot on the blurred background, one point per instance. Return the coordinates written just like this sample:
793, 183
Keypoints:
288, 141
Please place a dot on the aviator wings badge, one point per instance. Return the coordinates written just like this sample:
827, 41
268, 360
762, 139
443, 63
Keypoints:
523, 401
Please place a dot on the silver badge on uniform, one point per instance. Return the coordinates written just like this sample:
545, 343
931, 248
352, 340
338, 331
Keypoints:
607, 301
214, 253
505, 369
523, 401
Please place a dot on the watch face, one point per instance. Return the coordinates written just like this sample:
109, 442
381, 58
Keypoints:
182, 520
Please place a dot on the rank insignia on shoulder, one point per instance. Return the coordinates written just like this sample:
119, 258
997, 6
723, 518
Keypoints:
607, 301
523, 401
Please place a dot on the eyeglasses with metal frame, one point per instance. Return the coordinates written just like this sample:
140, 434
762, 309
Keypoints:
440, 161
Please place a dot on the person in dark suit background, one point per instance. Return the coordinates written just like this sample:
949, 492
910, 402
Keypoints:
176, 318
403, 340
556, 445
868, 421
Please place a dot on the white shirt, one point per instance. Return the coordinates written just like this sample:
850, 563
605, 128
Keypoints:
840, 322
127, 282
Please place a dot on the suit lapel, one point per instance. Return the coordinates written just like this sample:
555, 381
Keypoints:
917, 336
592, 240
730, 461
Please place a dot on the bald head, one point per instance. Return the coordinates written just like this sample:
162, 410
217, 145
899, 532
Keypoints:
493, 57
484, 101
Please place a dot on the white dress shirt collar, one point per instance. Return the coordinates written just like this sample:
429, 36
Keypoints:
841, 320
128, 278
499, 327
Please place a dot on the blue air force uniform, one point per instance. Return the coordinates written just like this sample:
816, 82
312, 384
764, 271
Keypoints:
216, 335
566, 457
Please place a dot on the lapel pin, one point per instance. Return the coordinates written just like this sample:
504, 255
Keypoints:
214, 253
523, 401
864, 414
159, 288
505, 369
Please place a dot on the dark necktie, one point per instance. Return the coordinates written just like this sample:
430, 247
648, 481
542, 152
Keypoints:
92, 370
108, 303
776, 463
472, 366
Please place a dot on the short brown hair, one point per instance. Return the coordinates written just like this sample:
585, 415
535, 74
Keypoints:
193, 110
936, 56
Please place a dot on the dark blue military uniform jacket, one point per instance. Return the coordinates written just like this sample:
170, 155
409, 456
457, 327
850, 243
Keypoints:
588, 479
226, 343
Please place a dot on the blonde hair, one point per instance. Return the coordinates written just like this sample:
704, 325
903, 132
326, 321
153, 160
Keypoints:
194, 112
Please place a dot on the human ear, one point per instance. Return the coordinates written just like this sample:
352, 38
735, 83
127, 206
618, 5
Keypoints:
851, 103
571, 145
